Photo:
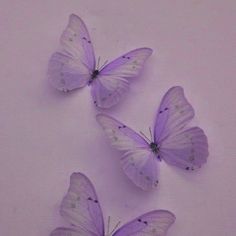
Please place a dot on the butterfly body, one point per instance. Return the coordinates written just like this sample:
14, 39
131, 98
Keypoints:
154, 147
74, 66
81, 208
186, 148
93, 76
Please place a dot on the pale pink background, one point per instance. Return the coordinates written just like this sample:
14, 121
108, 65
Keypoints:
45, 135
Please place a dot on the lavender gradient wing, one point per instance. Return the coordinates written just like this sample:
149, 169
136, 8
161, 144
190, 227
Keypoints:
69, 232
173, 114
71, 67
107, 91
121, 137
154, 223
140, 165
128, 65
67, 73
138, 162
112, 82
80, 206
187, 150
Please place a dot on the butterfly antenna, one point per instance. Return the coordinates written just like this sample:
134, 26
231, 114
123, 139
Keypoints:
150, 130
145, 136
103, 65
117, 225
108, 225
98, 62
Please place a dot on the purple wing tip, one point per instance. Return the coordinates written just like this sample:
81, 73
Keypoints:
150, 50
78, 175
73, 16
177, 87
164, 211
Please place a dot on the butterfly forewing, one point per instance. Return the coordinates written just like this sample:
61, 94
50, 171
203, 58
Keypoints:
71, 67
121, 136
173, 114
81, 208
138, 162
154, 223
76, 41
128, 65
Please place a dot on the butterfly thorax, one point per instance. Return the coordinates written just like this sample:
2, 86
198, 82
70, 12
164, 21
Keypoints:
154, 147
94, 75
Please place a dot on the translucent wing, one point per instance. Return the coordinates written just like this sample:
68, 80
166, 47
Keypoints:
111, 83
186, 149
138, 161
71, 68
173, 114
108, 90
68, 232
81, 208
154, 223
140, 165
128, 65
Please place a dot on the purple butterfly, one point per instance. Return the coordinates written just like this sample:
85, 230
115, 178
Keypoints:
184, 147
74, 66
81, 208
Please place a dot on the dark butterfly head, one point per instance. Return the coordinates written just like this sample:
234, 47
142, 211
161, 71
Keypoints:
154, 147
97, 71
93, 76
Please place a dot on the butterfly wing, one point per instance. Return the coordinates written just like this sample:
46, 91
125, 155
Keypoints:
81, 208
173, 114
128, 65
154, 223
138, 162
185, 148
112, 83
71, 68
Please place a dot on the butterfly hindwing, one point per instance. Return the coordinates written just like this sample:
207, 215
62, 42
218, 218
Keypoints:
71, 67
112, 83
81, 208
140, 165
187, 150
138, 162
66, 73
154, 223
108, 90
